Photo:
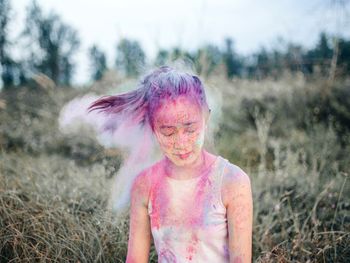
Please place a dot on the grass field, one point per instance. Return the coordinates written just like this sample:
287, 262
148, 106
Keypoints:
291, 136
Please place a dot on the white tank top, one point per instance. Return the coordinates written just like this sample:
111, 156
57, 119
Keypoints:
188, 218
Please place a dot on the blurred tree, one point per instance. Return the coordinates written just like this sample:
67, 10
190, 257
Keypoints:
161, 58
322, 49
231, 60
276, 64
319, 57
168, 56
51, 45
130, 57
176, 53
341, 11
262, 63
294, 57
344, 55
207, 59
7, 64
98, 62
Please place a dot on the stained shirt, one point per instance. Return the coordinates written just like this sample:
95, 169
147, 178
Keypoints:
188, 218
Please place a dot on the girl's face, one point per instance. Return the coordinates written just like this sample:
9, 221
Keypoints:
179, 126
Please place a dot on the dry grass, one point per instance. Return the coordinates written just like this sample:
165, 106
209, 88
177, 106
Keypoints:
54, 187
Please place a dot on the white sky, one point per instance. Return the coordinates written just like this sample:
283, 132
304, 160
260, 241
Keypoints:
188, 23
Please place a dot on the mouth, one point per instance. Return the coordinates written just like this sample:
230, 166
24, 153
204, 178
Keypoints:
184, 156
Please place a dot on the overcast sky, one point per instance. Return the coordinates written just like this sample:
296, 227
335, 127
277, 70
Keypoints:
189, 23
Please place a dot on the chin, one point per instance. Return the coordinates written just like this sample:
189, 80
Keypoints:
183, 162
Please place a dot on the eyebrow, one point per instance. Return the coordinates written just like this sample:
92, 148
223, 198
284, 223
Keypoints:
171, 126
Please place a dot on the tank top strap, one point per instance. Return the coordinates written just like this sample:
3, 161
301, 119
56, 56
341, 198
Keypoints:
222, 165
219, 173
218, 179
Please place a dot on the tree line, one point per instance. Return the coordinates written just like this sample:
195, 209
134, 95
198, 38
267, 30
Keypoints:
48, 45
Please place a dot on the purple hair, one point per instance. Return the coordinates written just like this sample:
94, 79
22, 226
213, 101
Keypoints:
156, 87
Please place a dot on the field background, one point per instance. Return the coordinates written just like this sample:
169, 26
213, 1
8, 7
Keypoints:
282, 114
54, 187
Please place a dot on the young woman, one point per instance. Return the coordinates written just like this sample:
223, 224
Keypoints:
197, 206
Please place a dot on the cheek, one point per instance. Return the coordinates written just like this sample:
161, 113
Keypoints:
200, 140
163, 141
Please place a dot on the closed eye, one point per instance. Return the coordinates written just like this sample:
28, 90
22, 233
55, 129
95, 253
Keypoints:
169, 134
167, 131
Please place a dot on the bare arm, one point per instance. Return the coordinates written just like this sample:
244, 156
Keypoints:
140, 232
237, 198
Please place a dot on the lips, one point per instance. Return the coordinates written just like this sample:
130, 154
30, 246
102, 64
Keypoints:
184, 156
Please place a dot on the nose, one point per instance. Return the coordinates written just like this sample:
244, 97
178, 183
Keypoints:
181, 141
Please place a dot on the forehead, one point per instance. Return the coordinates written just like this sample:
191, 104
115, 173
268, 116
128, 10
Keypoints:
182, 110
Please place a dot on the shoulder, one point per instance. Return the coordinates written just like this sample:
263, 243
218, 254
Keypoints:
143, 181
146, 176
235, 183
233, 174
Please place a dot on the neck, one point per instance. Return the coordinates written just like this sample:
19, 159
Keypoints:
188, 171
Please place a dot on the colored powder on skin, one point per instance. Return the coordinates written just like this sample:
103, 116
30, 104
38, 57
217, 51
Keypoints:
237, 259
200, 141
138, 143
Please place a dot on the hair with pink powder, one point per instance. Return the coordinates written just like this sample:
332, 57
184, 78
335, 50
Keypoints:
154, 89
126, 120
